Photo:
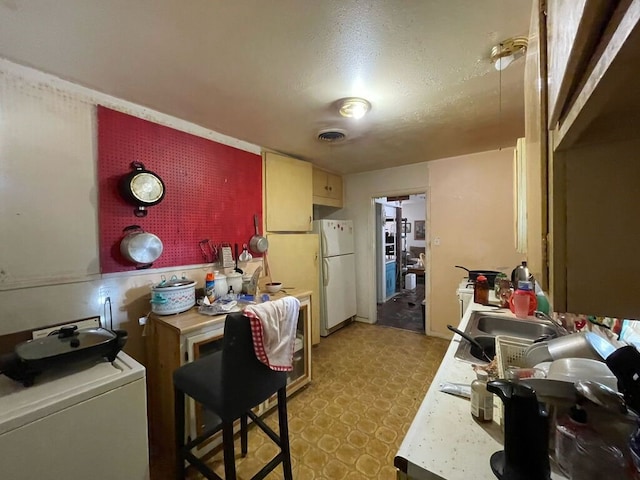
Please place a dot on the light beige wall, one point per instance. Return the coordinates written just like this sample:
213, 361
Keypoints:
469, 208
359, 191
471, 212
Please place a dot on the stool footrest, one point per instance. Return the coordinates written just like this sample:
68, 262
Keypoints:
265, 428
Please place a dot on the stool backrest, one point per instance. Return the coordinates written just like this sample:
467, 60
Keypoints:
246, 381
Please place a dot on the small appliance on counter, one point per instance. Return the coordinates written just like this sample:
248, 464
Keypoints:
525, 455
176, 295
68, 345
521, 274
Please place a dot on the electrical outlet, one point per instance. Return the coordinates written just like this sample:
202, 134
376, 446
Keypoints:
142, 320
104, 292
436, 241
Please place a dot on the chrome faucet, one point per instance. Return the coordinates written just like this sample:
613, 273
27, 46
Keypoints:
556, 322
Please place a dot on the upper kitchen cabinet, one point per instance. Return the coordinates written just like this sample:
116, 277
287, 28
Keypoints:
601, 73
288, 194
327, 188
574, 28
593, 135
535, 147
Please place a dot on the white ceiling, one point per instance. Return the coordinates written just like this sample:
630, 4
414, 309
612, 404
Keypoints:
269, 71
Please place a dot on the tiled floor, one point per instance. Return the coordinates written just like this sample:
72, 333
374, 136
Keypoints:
367, 385
404, 310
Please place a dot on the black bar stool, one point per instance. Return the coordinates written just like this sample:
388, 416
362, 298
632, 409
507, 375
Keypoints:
230, 383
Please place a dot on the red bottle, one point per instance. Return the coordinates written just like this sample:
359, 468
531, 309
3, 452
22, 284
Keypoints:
524, 289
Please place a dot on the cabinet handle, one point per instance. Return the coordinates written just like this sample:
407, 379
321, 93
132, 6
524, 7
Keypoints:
326, 187
330, 189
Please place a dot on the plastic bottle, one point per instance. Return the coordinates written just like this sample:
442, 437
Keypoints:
221, 287
481, 398
568, 428
481, 290
543, 301
523, 302
209, 287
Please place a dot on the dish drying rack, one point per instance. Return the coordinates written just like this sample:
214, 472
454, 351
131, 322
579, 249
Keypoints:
510, 352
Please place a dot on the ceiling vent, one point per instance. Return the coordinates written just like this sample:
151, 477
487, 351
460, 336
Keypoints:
332, 135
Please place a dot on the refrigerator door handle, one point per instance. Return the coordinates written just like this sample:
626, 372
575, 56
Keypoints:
325, 272
324, 244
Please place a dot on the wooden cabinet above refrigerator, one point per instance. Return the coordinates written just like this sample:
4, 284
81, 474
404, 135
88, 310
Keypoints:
327, 188
288, 194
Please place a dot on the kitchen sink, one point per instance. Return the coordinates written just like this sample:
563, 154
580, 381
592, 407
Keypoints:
483, 324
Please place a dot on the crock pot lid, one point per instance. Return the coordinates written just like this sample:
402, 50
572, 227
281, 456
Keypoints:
183, 282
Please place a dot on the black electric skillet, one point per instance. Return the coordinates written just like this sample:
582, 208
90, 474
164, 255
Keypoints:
63, 347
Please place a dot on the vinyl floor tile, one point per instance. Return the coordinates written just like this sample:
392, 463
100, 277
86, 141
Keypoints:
367, 384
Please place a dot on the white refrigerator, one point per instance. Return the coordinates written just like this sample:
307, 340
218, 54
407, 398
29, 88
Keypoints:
337, 273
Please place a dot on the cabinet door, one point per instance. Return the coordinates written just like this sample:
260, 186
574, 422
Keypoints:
319, 184
334, 184
199, 420
573, 31
288, 194
301, 373
293, 260
327, 188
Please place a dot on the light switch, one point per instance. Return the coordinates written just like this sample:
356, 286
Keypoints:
436, 241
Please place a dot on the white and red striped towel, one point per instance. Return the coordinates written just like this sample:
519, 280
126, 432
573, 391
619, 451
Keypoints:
273, 326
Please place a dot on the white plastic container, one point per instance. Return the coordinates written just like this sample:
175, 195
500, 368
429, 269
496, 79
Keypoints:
234, 280
410, 281
221, 287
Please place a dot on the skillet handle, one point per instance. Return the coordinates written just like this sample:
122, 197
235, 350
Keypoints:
464, 268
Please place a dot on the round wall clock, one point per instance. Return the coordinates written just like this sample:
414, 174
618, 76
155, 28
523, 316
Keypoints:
141, 188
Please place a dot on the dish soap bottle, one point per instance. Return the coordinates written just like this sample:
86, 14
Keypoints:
481, 398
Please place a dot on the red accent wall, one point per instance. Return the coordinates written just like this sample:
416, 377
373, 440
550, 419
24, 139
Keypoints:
212, 190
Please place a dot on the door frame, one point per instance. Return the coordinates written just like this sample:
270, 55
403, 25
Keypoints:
373, 282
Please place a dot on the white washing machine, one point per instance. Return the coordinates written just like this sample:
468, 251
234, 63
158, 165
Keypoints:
86, 422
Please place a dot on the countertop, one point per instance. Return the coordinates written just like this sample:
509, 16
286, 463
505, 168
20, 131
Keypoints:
191, 320
443, 441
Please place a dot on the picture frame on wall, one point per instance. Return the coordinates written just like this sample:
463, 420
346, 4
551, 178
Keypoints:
419, 230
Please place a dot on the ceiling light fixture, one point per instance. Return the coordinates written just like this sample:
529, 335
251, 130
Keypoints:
354, 107
507, 51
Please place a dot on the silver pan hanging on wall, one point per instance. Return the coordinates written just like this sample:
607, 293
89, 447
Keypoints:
140, 247
141, 188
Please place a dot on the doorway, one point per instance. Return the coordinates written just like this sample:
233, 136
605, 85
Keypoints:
400, 261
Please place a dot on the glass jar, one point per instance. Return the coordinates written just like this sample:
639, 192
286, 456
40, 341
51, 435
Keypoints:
481, 290
504, 292
568, 428
594, 460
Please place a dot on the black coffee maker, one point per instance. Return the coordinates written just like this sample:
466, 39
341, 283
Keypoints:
526, 434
